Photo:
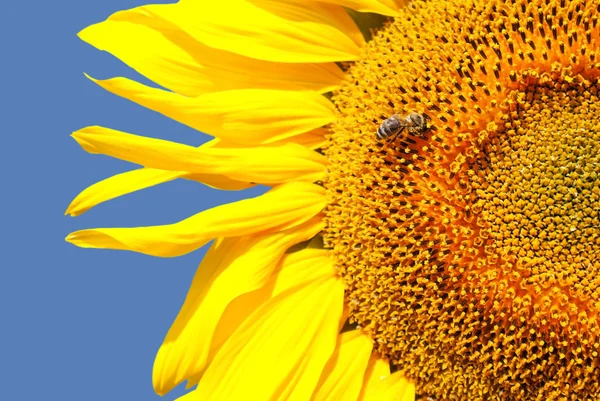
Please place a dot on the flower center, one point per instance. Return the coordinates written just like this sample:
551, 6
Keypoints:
471, 251
538, 193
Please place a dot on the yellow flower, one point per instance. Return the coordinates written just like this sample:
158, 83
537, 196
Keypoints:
465, 253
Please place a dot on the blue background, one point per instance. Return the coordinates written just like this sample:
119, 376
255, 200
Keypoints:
79, 324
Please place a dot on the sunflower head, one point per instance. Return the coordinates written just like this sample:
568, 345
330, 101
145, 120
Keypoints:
437, 215
472, 252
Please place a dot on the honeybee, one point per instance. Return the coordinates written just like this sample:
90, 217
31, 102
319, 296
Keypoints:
416, 123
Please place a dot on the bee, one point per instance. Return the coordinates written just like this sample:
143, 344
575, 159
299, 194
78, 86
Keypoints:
416, 124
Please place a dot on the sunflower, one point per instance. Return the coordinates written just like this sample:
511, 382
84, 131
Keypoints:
462, 254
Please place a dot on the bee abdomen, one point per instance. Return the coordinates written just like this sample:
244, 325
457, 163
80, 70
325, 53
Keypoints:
381, 133
388, 128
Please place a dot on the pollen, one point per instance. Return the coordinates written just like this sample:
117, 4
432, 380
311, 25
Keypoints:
471, 252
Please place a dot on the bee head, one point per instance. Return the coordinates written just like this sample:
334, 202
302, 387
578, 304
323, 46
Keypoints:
415, 119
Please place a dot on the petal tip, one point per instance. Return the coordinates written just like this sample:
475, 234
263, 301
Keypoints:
73, 209
71, 237
76, 238
88, 76
83, 33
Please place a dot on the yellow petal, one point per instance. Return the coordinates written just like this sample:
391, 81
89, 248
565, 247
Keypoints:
312, 140
377, 370
231, 268
218, 181
246, 116
118, 185
170, 57
342, 377
136, 180
266, 165
303, 33
294, 269
383, 7
395, 387
283, 207
279, 352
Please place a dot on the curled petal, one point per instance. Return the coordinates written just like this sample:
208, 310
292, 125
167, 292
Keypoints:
245, 116
279, 352
232, 269
295, 269
283, 207
266, 165
305, 33
179, 62
342, 377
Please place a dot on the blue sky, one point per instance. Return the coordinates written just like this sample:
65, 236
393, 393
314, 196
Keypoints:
79, 324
